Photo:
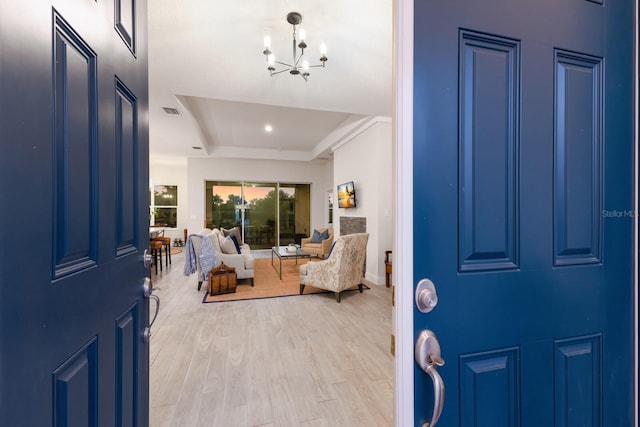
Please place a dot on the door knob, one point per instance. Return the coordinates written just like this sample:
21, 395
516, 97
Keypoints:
157, 301
147, 290
147, 259
426, 296
147, 287
428, 357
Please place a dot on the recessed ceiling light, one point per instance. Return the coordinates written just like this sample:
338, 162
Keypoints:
268, 128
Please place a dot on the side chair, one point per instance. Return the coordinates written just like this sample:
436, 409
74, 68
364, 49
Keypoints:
342, 270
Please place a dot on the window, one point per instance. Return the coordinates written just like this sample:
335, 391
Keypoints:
223, 204
164, 206
268, 214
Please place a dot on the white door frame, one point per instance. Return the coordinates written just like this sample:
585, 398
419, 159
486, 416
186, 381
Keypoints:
403, 228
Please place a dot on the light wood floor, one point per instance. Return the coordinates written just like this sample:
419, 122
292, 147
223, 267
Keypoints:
293, 361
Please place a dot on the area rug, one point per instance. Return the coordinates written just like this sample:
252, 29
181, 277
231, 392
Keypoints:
175, 251
267, 283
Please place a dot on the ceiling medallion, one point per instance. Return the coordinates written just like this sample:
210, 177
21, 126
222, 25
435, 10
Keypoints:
298, 67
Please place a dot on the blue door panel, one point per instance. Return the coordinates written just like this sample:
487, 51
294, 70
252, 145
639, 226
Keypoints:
490, 389
523, 190
489, 111
125, 16
128, 173
578, 168
127, 352
75, 383
74, 177
75, 171
578, 376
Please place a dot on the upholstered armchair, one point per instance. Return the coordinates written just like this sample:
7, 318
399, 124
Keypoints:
342, 270
321, 248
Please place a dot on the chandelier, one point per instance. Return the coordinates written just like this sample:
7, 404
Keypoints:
298, 66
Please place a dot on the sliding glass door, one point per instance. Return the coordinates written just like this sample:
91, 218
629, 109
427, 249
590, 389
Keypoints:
269, 214
295, 212
260, 214
224, 204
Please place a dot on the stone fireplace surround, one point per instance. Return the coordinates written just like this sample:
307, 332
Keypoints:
352, 224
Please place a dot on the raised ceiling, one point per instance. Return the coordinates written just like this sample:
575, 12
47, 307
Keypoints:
206, 62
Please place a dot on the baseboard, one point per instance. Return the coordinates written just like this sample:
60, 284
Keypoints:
374, 280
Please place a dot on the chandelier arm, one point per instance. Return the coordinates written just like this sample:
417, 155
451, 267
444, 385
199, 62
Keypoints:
283, 63
316, 66
273, 73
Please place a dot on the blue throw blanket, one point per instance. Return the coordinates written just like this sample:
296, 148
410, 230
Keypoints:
207, 257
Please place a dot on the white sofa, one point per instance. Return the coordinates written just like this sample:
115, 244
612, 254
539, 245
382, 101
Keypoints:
242, 262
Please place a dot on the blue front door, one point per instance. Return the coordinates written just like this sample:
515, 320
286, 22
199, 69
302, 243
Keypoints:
74, 177
523, 197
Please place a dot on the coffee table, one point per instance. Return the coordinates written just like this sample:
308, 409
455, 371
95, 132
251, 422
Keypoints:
282, 252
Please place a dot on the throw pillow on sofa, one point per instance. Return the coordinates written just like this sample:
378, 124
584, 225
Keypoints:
235, 242
235, 231
227, 246
318, 237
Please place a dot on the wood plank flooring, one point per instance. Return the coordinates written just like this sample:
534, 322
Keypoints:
292, 361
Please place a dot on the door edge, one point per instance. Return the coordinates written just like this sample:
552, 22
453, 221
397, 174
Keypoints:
403, 15
635, 221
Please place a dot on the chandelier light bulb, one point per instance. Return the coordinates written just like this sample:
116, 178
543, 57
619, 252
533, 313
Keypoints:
303, 35
305, 66
271, 59
323, 49
267, 42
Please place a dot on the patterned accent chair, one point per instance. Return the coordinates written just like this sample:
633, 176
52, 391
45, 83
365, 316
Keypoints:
342, 270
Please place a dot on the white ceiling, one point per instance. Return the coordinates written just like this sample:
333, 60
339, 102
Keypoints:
206, 61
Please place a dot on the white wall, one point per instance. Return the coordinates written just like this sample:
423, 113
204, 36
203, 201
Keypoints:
200, 170
163, 172
367, 160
